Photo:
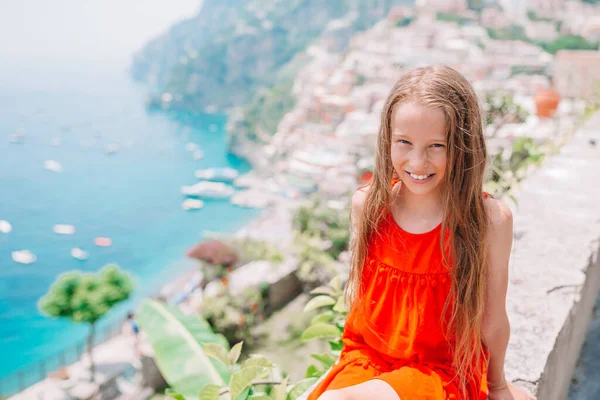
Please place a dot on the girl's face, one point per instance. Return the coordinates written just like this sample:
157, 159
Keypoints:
419, 147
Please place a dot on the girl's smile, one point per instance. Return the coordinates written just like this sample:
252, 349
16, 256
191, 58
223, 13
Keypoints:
419, 179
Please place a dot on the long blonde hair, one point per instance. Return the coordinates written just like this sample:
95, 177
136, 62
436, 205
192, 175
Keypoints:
465, 218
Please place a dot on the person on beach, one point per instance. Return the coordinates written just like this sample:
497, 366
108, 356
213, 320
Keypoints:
430, 253
135, 329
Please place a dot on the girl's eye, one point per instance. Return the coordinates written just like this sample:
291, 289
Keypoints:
403, 141
437, 145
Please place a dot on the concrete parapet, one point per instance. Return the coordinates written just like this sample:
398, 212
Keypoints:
555, 269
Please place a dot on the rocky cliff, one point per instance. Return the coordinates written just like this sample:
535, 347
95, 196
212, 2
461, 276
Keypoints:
231, 48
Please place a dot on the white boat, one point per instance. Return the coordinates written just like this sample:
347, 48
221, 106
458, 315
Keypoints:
217, 174
52, 165
64, 229
192, 204
212, 127
251, 199
16, 138
24, 256
208, 189
5, 227
79, 254
198, 154
112, 148
191, 146
56, 142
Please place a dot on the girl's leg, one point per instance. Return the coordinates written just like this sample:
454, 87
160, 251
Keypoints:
373, 389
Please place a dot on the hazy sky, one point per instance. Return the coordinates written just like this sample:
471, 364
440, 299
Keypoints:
88, 32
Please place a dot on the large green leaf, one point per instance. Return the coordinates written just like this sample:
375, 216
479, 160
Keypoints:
279, 391
319, 301
325, 316
299, 388
244, 377
321, 331
210, 392
217, 352
327, 360
177, 340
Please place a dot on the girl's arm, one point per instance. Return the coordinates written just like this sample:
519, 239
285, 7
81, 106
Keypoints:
496, 327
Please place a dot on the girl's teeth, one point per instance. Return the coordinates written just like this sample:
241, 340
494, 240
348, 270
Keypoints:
419, 177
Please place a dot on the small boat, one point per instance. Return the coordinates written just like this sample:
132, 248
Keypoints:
24, 257
52, 165
112, 148
79, 254
5, 227
64, 229
191, 146
212, 127
103, 241
217, 174
16, 138
192, 204
198, 154
55, 142
208, 189
251, 199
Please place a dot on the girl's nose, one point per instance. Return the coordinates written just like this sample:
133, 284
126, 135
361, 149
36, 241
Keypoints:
418, 160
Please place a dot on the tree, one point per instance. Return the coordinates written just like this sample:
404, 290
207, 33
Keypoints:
87, 297
569, 42
501, 109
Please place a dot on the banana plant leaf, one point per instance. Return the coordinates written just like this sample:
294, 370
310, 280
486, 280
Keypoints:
177, 340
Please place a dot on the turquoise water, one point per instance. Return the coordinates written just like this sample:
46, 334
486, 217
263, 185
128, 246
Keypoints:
131, 196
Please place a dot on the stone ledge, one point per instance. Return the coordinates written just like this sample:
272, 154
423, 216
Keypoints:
555, 269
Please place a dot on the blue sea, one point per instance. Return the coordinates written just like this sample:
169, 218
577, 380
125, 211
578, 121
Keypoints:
132, 196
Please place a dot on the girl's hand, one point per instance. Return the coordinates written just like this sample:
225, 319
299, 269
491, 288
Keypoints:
510, 392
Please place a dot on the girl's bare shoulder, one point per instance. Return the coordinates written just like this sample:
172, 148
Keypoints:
358, 199
499, 214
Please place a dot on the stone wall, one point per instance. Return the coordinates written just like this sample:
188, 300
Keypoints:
555, 271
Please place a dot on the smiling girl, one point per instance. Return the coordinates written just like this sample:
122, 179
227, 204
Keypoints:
429, 274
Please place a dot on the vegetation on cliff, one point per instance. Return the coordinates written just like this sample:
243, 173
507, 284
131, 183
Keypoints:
242, 53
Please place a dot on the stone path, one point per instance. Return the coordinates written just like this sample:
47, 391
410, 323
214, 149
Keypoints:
111, 358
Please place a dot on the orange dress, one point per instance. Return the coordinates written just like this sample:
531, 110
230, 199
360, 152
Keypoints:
395, 332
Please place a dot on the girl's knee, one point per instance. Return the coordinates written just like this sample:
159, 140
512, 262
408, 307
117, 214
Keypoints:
334, 395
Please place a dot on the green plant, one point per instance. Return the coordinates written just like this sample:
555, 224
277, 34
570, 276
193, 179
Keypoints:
360, 80
513, 32
256, 378
501, 108
328, 324
404, 22
212, 272
87, 297
511, 166
252, 250
568, 42
316, 264
449, 17
475, 5
316, 220
532, 15
234, 316
178, 340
